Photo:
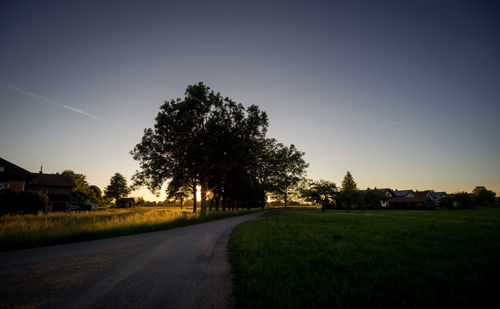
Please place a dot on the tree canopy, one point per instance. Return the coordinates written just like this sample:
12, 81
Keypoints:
482, 196
80, 193
289, 170
321, 192
210, 141
117, 187
349, 194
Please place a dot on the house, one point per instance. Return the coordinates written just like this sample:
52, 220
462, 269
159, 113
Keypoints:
57, 187
126, 202
414, 200
388, 193
13, 177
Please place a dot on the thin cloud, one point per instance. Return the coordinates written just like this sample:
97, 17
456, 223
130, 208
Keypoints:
55, 103
404, 122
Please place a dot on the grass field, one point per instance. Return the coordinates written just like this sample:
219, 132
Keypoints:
24, 231
385, 259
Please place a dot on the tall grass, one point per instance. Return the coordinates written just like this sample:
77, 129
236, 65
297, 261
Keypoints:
24, 231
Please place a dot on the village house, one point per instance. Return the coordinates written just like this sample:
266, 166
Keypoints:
13, 177
125, 202
57, 187
409, 199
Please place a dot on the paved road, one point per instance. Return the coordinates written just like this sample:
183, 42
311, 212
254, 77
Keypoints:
180, 268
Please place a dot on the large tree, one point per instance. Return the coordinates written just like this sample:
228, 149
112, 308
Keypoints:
290, 171
483, 197
373, 198
201, 140
117, 187
349, 194
321, 192
266, 165
95, 194
80, 193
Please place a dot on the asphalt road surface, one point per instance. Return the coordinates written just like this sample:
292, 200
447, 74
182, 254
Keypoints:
179, 268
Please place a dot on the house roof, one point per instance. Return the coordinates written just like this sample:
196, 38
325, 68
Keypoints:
10, 171
417, 199
126, 199
52, 180
401, 193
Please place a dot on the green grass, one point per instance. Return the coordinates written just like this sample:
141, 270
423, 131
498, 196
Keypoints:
25, 231
400, 259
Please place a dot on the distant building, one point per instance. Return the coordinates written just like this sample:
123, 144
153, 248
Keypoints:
388, 193
410, 199
125, 202
57, 187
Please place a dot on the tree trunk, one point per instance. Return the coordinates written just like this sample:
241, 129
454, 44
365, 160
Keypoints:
194, 198
217, 199
286, 202
264, 199
203, 203
181, 202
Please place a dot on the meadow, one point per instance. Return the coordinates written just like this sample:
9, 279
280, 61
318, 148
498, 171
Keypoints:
25, 231
367, 259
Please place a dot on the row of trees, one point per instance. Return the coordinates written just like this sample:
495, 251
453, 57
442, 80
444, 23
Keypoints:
329, 196
209, 141
84, 193
480, 197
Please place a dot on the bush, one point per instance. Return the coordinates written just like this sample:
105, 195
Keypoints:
7, 201
31, 202
22, 202
483, 197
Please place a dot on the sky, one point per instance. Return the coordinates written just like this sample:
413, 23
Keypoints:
403, 94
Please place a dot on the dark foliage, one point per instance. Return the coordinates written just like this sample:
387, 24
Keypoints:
22, 202
213, 142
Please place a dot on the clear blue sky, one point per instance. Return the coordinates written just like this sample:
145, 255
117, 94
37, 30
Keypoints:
404, 94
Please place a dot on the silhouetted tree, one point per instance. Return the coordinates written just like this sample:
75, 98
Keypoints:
349, 194
203, 140
483, 197
80, 193
179, 191
462, 200
95, 194
117, 187
373, 198
321, 192
266, 165
289, 171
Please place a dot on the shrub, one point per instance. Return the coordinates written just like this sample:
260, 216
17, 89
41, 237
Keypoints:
30, 201
7, 201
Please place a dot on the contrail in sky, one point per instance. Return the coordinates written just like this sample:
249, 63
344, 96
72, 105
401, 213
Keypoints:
52, 102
